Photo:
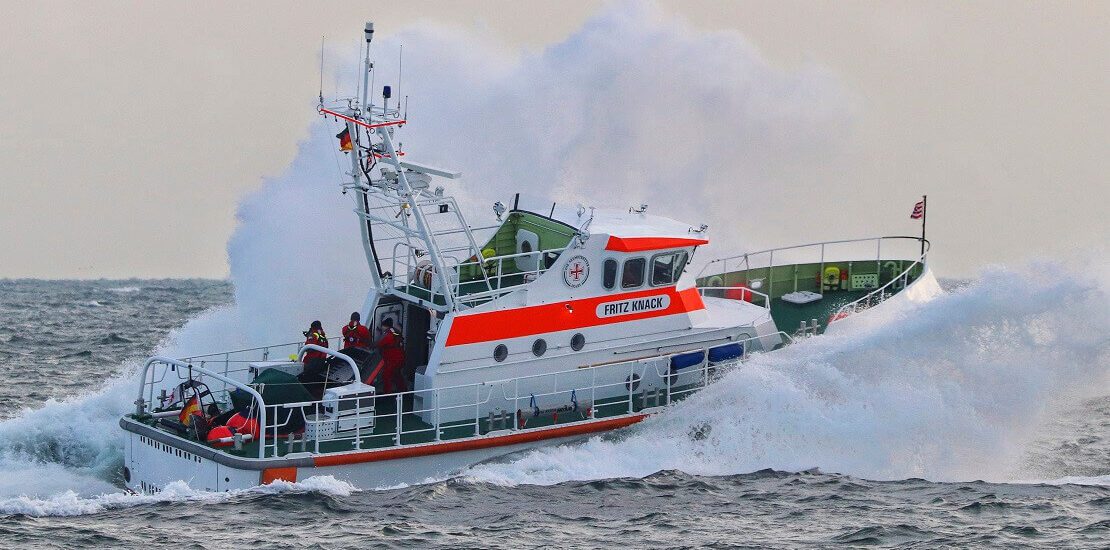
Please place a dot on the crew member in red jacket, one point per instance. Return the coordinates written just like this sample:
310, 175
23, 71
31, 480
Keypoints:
355, 334
315, 335
392, 347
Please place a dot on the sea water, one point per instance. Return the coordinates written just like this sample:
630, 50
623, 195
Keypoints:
979, 418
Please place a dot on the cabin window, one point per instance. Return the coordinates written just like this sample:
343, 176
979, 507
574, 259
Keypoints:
609, 274
667, 268
577, 342
633, 275
539, 347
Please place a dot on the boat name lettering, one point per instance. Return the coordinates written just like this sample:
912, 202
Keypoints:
635, 305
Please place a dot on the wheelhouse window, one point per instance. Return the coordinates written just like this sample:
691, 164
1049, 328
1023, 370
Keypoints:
667, 268
633, 275
609, 274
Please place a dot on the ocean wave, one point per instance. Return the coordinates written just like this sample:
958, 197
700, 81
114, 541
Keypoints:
952, 389
72, 503
126, 289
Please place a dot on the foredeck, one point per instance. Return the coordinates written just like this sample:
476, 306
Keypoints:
842, 285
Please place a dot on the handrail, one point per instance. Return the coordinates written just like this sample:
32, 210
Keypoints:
326, 351
512, 390
766, 298
262, 348
843, 311
174, 362
807, 245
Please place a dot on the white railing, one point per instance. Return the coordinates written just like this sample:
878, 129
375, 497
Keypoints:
146, 389
346, 358
491, 270
615, 387
742, 289
881, 294
765, 259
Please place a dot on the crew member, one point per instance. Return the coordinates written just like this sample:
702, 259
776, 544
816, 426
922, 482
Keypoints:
355, 334
315, 362
392, 348
315, 335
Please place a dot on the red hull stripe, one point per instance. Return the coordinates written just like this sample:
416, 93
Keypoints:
580, 428
527, 321
270, 475
641, 244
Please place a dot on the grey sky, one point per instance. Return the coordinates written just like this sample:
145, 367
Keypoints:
131, 130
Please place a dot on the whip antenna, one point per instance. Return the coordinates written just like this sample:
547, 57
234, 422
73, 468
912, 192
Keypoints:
321, 69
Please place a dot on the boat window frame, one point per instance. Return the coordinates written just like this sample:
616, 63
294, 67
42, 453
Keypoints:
643, 272
606, 283
676, 274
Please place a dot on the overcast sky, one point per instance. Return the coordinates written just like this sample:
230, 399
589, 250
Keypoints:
131, 131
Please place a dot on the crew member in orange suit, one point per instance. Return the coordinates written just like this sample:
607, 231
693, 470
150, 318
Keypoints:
355, 334
392, 347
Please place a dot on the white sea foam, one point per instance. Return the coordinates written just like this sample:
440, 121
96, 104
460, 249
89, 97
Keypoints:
126, 289
73, 503
948, 390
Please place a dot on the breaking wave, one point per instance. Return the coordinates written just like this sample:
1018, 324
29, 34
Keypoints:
952, 389
71, 503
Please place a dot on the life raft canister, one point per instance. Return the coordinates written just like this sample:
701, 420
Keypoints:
243, 425
217, 433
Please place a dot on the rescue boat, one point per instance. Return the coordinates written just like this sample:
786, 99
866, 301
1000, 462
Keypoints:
550, 324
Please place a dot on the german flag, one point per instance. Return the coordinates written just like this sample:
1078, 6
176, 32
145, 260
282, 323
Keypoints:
192, 406
345, 140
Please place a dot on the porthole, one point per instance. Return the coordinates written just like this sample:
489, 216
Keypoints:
539, 347
577, 342
500, 352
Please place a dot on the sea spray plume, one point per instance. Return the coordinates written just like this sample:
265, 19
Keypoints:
67, 444
951, 389
635, 106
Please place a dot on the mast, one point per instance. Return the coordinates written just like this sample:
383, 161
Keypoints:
367, 67
395, 205
924, 213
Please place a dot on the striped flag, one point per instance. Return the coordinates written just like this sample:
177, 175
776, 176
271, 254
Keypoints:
918, 210
192, 406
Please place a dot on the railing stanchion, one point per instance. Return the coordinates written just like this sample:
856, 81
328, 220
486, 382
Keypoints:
477, 409
631, 372
593, 392
398, 413
435, 412
358, 421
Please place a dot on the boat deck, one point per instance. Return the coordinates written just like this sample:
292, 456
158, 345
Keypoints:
415, 431
788, 316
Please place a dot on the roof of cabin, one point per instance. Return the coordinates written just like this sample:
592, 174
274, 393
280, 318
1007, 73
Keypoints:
633, 232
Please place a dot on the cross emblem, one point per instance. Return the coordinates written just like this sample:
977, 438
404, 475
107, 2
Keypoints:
576, 271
